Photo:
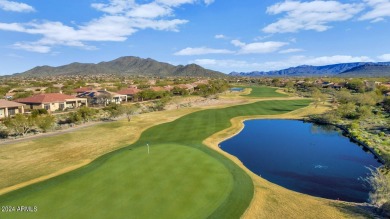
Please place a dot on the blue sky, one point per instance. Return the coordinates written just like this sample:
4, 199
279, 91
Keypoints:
223, 35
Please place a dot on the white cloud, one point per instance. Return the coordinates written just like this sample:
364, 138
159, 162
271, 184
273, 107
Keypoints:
379, 10
114, 6
208, 2
201, 51
259, 47
237, 43
228, 65
175, 3
32, 48
384, 57
151, 10
120, 20
327, 60
313, 15
220, 36
15, 6
290, 51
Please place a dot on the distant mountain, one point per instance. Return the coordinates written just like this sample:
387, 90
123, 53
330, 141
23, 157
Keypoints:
344, 69
128, 65
368, 70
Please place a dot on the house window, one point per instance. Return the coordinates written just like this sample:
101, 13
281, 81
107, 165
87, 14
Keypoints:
62, 106
47, 106
11, 111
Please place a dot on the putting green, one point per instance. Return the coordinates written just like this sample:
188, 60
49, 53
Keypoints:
130, 182
264, 92
181, 178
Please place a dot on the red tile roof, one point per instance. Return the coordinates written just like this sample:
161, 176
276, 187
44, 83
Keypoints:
129, 91
82, 89
46, 98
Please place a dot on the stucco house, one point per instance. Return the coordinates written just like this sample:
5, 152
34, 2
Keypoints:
130, 93
103, 97
53, 101
10, 108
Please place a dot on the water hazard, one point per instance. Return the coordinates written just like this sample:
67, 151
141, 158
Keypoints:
304, 157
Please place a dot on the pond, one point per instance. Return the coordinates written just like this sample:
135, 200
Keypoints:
304, 157
237, 89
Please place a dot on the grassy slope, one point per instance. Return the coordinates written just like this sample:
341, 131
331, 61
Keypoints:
189, 130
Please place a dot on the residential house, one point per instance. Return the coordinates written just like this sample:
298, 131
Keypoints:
338, 86
103, 97
10, 108
53, 101
157, 89
81, 90
130, 93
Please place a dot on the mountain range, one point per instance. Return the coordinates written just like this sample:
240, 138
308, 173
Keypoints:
126, 66
357, 69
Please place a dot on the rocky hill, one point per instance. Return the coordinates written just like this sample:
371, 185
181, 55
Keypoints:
128, 65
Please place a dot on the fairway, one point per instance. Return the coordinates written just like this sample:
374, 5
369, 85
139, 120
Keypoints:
264, 92
181, 178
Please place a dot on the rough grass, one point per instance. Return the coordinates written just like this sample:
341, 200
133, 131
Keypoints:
189, 130
42, 157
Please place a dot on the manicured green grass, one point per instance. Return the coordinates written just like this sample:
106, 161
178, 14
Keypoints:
133, 184
264, 92
181, 178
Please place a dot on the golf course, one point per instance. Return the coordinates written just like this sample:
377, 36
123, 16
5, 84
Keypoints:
167, 173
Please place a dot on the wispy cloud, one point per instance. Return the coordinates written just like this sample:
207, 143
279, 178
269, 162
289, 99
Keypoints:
312, 15
384, 57
228, 65
379, 10
220, 36
201, 51
15, 6
120, 19
291, 51
258, 47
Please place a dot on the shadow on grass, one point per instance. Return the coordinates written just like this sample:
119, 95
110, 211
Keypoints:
362, 210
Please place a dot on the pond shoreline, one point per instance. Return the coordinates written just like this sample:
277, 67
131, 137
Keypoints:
265, 190
351, 137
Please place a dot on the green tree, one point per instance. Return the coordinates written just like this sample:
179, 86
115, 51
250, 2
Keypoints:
347, 110
386, 104
19, 95
114, 110
36, 112
74, 117
86, 113
131, 110
20, 124
356, 85
318, 96
364, 111
369, 99
52, 89
289, 86
45, 122
344, 96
